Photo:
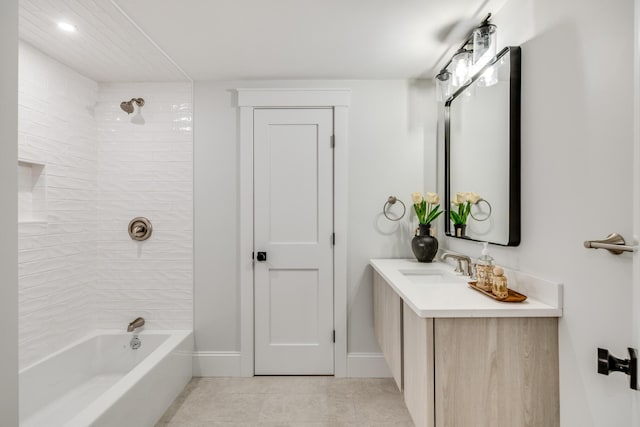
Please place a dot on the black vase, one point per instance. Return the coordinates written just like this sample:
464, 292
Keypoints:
424, 245
460, 230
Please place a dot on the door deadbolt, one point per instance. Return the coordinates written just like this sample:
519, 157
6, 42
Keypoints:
261, 256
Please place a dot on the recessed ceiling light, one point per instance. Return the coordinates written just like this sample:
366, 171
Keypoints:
65, 26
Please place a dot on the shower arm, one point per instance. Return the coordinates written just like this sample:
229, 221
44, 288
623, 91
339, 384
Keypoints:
139, 101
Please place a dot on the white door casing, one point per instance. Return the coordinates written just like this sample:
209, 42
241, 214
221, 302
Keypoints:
293, 226
248, 101
635, 309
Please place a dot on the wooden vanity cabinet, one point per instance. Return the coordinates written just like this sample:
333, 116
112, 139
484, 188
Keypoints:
418, 367
481, 372
387, 307
472, 371
496, 372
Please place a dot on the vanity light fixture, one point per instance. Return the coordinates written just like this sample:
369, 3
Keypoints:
65, 26
474, 53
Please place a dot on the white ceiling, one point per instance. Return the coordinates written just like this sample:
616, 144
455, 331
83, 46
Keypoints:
107, 47
295, 39
250, 39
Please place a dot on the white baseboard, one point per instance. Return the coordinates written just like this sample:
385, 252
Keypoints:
227, 364
216, 364
367, 365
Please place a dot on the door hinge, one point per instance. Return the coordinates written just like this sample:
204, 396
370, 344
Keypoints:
333, 239
334, 335
333, 141
253, 255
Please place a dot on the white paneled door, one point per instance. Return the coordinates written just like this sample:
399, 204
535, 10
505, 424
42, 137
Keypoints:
293, 228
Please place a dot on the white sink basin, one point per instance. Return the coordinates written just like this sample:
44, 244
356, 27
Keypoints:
431, 277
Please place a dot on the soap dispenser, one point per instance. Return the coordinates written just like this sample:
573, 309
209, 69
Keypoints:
484, 269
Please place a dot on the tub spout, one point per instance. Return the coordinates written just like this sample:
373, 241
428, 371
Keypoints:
135, 324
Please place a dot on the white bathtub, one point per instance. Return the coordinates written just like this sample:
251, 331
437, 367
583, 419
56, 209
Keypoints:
101, 381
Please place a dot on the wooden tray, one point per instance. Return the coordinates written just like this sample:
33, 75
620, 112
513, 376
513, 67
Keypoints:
512, 297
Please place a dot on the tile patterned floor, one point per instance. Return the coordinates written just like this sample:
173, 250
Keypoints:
288, 402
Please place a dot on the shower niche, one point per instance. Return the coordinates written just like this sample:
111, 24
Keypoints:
32, 196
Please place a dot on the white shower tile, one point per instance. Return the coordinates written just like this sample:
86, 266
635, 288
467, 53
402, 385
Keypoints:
145, 170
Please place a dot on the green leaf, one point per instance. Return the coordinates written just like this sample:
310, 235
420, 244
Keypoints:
434, 212
420, 209
433, 216
463, 213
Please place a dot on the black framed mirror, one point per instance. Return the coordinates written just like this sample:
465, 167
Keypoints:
482, 154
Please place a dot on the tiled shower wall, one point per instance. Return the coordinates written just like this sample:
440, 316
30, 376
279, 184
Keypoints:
145, 170
79, 270
56, 254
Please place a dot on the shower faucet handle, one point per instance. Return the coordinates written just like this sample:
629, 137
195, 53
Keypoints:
140, 228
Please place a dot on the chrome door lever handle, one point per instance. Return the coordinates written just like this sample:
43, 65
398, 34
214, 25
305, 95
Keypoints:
614, 243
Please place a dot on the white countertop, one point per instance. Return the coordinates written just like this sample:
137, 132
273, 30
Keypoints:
450, 295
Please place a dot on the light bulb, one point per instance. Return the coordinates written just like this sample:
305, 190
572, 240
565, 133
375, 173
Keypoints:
460, 67
65, 26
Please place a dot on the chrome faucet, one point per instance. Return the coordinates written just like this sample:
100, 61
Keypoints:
459, 258
137, 323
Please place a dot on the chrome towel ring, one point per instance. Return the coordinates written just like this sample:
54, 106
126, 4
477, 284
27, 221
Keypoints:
481, 214
392, 201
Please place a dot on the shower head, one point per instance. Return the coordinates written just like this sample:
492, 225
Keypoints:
127, 106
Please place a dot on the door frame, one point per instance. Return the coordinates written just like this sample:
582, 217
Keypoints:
635, 328
248, 100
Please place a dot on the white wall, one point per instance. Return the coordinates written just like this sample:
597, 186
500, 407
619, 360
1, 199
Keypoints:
386, 157
57, 255
145, 170
8, 213
577, 122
